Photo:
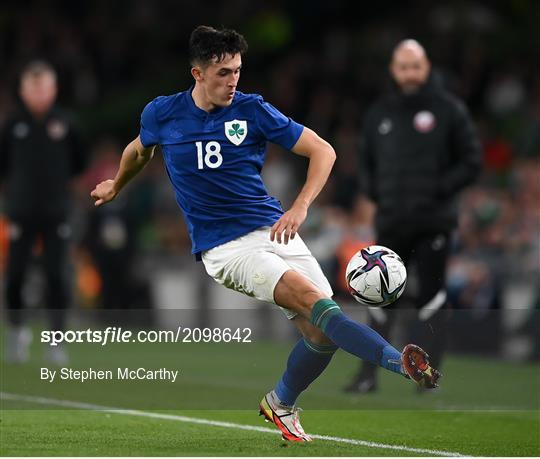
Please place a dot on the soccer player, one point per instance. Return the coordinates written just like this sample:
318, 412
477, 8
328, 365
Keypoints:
213, 140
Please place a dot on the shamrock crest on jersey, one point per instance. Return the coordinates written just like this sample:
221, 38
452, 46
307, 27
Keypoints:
236, 131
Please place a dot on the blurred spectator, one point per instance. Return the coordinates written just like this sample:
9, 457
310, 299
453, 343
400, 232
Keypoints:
40, 151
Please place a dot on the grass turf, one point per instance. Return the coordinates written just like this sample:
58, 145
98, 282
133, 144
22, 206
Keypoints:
485, 407
92, 433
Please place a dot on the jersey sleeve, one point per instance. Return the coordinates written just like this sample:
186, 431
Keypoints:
275, 126
149, 127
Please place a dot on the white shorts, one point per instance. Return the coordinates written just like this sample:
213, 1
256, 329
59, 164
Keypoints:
253, 265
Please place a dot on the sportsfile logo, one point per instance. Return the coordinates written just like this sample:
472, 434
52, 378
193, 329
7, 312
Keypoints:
120, 335
103, 337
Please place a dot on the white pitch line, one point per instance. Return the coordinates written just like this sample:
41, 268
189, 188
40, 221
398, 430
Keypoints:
208, 422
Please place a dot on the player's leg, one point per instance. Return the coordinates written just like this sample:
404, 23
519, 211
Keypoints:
298, 294
355, 338
305, 291
307, 286
21, 239
311, 354
431, 254
298, 256
307, 360
249, 265
256, 267
253, 265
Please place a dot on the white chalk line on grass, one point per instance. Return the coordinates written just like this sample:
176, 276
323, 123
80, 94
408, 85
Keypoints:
208, 422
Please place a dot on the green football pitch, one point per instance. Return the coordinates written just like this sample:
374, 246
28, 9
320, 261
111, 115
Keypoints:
485, 407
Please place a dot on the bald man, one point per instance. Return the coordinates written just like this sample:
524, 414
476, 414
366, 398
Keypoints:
419, 150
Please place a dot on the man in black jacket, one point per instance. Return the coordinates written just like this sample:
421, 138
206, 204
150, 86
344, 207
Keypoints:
419, 150
40, 151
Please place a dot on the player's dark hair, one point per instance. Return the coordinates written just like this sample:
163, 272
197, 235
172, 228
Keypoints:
207, 43
37, 68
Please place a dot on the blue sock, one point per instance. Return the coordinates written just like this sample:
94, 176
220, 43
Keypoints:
306, 362
357, 339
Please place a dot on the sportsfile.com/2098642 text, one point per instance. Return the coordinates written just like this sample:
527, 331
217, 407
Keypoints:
119, 335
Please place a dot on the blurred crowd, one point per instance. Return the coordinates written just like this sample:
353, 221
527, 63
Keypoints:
322, 64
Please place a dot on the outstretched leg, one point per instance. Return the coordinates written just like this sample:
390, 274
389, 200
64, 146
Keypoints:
298, 294
290, 277
325, 327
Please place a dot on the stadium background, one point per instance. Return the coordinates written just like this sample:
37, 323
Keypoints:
323, 66
322, 63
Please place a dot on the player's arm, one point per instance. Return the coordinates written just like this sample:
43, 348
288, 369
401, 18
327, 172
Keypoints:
134, 158
321, 159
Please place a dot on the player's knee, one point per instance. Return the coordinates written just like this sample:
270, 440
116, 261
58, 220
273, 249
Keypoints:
309, 297
296, 292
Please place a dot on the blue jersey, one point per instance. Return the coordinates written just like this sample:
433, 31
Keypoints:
214, 162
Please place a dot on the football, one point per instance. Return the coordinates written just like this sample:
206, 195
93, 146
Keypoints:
376, 276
